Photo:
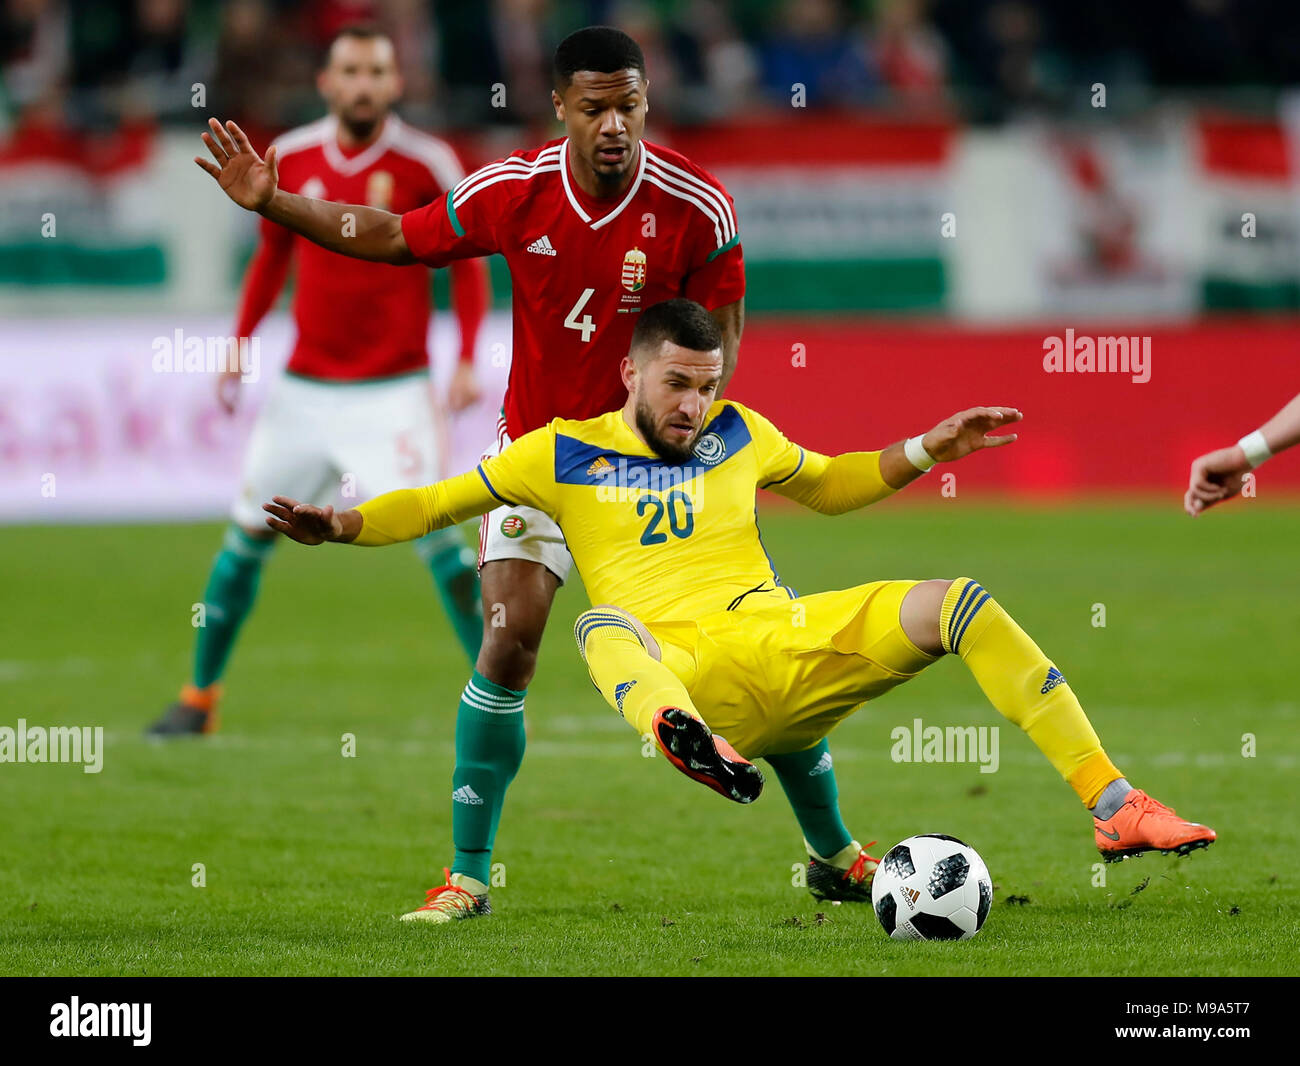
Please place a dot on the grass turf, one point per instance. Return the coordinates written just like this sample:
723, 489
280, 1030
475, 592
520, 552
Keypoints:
612, 863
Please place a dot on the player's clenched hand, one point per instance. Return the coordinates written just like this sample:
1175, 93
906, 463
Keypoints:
463, 390
228, 389
969, 431
301, 521
1216, 476
246, 177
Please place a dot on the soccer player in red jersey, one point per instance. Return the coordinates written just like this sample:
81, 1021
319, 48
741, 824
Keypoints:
594, 226
355, 402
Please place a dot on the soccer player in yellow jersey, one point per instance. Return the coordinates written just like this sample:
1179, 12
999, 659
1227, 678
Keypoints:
696, 638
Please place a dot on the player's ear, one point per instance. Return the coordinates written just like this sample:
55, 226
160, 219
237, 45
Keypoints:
557, 101
322, 83
627, 370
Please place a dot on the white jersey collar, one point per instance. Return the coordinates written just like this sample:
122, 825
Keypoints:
342, 164
627, 197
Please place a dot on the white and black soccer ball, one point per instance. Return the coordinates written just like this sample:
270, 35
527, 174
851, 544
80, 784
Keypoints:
932, 887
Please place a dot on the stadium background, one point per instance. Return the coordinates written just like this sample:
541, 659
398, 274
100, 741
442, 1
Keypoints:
1124, 220
867, 320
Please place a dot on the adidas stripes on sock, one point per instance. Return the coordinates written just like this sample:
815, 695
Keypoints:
489, 751
633, 681
1024, 686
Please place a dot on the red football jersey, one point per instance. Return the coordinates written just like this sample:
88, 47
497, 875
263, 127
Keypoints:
358, 319
583, 268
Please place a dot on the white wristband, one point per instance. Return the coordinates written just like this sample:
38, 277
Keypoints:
917, 455
1255, 447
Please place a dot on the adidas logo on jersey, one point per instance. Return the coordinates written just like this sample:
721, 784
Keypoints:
468, 796
1054, 678
542, 246
823, 765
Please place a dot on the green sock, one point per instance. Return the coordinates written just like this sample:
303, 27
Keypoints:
489, 749
229, 596
455, 571
808, 778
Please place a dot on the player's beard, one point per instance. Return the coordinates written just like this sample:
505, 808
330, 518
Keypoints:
609, 181
361, 129
674, 453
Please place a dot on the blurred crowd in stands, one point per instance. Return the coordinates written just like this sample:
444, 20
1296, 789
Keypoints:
100, 63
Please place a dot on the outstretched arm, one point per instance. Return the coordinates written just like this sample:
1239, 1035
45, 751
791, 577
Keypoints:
406, 514
253, 183
834, 485
1218, 475
952, 439
522, 474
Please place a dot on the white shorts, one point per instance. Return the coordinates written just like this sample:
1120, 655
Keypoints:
521, 532
322, 443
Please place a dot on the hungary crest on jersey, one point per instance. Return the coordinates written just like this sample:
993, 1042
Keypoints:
634, 270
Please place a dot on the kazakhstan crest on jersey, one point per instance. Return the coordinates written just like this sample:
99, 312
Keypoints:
710, 449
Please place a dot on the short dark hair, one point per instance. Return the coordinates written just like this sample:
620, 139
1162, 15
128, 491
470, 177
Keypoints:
361, 31
599, 48
678, 321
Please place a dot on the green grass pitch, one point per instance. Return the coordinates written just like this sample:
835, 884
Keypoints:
613, 863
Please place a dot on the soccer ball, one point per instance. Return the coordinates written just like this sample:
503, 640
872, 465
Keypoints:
931, 887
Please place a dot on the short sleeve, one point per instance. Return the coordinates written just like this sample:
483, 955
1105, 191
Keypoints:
717, 275
460, 225
720, 279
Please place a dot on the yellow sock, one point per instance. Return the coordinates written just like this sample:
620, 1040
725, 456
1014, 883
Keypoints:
632, 681
1025, 686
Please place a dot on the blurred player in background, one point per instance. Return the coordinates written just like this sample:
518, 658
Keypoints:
595, 227
355, 409
1218, 476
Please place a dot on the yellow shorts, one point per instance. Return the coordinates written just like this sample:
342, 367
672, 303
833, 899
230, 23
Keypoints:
778, 678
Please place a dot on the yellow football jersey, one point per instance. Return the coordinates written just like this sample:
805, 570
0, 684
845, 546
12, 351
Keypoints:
661, 540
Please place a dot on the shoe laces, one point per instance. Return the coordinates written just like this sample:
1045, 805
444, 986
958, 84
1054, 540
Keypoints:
858, 872
1148, 805
448, 896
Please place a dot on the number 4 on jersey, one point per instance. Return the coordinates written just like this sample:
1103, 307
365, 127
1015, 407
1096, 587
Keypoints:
586, 325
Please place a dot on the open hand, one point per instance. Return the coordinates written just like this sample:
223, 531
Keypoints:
968, 431
246, 177
301, 521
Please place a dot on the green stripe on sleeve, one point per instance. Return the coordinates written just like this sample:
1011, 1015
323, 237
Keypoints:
717, 252
451, 214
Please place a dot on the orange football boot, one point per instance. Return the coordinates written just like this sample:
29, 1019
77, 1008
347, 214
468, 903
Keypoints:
1143, 824
706, 758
